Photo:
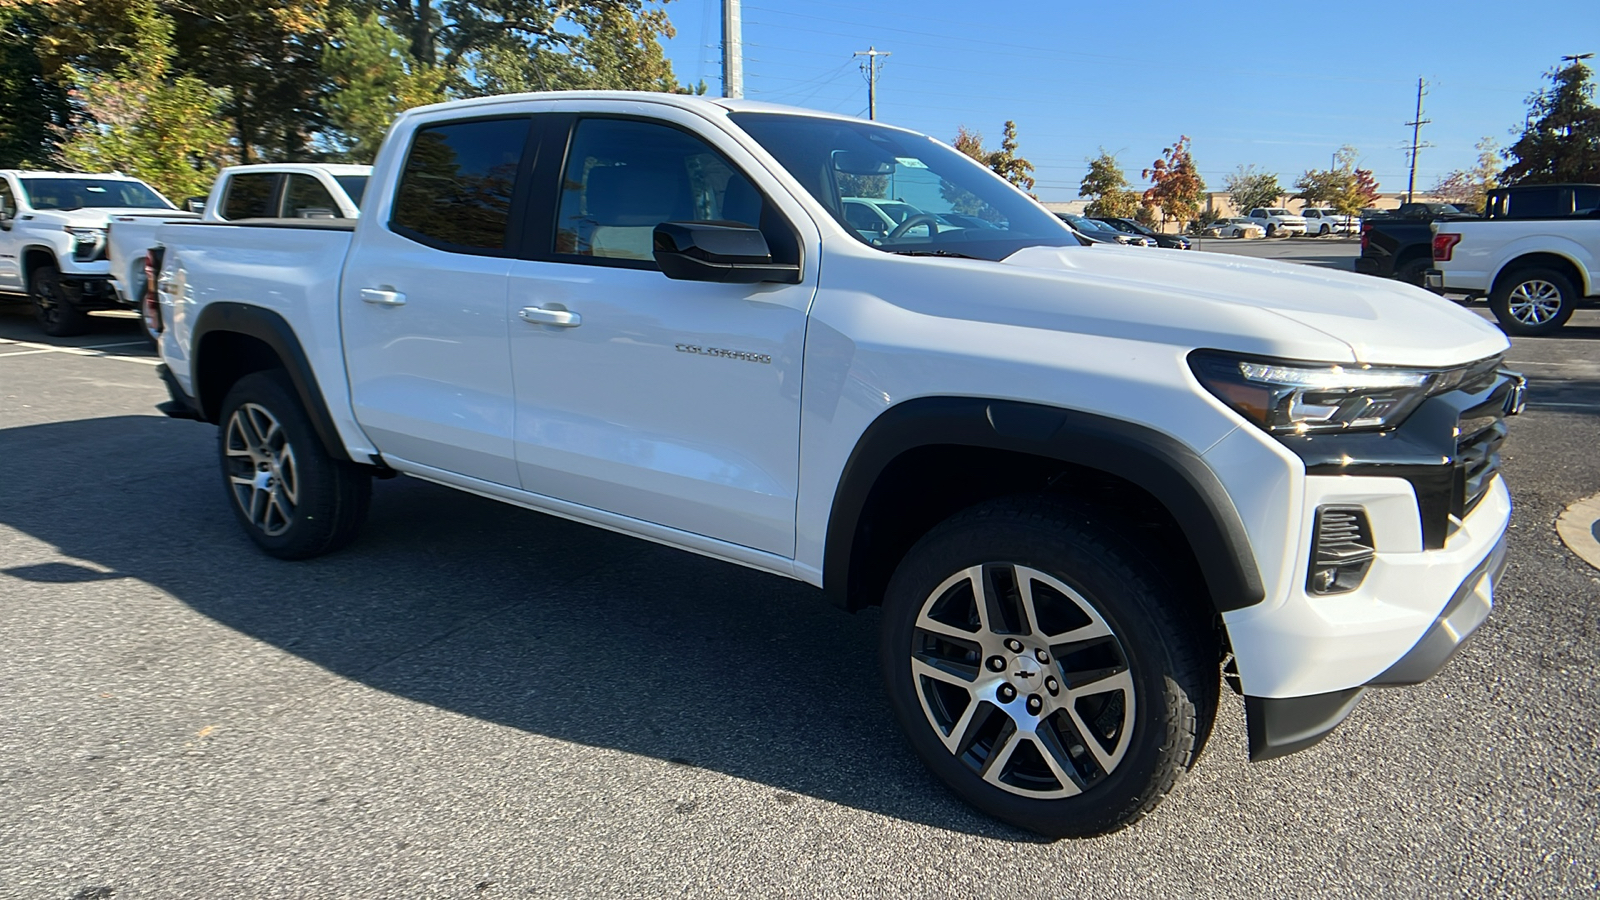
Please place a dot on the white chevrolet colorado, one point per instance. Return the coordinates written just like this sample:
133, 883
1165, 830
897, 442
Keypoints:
1078, 479
1536, 272
53, 241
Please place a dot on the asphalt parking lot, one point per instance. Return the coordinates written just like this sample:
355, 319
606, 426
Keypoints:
477, 701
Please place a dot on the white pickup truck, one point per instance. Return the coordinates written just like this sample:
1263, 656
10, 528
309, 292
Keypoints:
1275, 221
53, 241
1535, 272
255, 191
1079, 480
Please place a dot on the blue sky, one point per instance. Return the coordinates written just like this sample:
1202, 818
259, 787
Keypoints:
1278, 84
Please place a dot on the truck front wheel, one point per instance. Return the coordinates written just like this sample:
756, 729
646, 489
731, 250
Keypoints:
56, 315
293, 498
1533, 302
1045, 671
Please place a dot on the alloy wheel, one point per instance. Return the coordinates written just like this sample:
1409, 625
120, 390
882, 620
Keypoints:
1023, 680
1534, 302
261, 469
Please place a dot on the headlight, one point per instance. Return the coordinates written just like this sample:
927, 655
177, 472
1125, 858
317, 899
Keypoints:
89, 242
1124, 239
1291, 397
84, 234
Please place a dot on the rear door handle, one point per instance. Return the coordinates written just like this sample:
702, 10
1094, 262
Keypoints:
382, 298
561, 318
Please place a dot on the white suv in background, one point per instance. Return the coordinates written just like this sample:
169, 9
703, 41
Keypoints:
1278, 221
1322, 221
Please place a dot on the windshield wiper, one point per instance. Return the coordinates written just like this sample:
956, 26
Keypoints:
949, 253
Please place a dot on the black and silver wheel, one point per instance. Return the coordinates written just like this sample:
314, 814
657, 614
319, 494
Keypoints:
1323, 231
1533, 302
1272, 230
52, 309
1043, 670
293, 499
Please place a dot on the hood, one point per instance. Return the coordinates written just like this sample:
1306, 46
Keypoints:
1381, 322
95, 216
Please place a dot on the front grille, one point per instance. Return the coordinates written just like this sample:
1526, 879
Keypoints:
1478, 455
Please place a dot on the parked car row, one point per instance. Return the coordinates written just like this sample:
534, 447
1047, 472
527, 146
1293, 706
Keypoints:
73, 243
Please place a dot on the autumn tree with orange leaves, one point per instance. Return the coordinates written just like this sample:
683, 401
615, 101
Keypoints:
1175, 184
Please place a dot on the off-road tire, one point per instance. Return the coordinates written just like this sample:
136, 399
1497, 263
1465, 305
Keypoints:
1167, 645
55, 314
306, 503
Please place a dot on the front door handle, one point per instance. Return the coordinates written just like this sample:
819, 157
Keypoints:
382, 298
561, 318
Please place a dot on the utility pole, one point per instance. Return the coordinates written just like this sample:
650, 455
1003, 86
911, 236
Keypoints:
1416, 131
870, 67
732, 50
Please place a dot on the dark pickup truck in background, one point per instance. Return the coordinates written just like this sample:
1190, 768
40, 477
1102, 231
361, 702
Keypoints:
1399, 244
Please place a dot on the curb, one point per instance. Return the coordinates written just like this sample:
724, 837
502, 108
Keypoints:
1579, 528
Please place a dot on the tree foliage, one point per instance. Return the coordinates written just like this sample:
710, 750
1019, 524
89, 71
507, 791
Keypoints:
1003, 162
1561, 141
1108, 188
1469, 188
33, 109
1176, 185
1343, 187
1250, 188
374, 80
307, 78
142, 120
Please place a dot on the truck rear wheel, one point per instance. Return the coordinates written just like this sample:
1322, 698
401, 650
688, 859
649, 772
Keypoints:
1043, 670
1533, 302
293, 498
56, 315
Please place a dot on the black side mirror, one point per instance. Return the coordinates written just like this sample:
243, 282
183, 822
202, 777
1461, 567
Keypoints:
726, 252
195, 204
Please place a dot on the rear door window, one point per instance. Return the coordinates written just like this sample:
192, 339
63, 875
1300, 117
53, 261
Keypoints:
304, 197
456, 190
250, 196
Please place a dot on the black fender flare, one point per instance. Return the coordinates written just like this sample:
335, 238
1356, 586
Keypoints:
273, 330
1169, 470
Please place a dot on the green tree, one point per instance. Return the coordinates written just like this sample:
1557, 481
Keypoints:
1176, 185
1561, 141
1007, 164
143, 121
1469, 188
374, 79
1344, 187
1108, 188
33, 109
1250, 187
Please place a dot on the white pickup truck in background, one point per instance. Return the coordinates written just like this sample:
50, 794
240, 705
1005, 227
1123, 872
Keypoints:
53, 241
1077, 479
1535, 272
257, 191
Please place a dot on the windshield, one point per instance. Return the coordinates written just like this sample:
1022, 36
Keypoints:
91, 193
354, 185
928, 191
1084, 223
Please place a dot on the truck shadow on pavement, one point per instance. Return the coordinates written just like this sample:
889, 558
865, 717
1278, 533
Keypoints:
486, 610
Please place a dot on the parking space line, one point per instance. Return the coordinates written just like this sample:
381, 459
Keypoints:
97, 350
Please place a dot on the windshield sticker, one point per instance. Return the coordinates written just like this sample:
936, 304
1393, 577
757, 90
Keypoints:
910, 163
95, 190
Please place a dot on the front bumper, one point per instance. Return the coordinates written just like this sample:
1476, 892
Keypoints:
1279, 726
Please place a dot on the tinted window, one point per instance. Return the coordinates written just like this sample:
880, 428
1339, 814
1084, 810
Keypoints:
1585, 200
8, 204
305, 198
1543, 203
90, 193
250, 196
624, 178
455, 192
355, 187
